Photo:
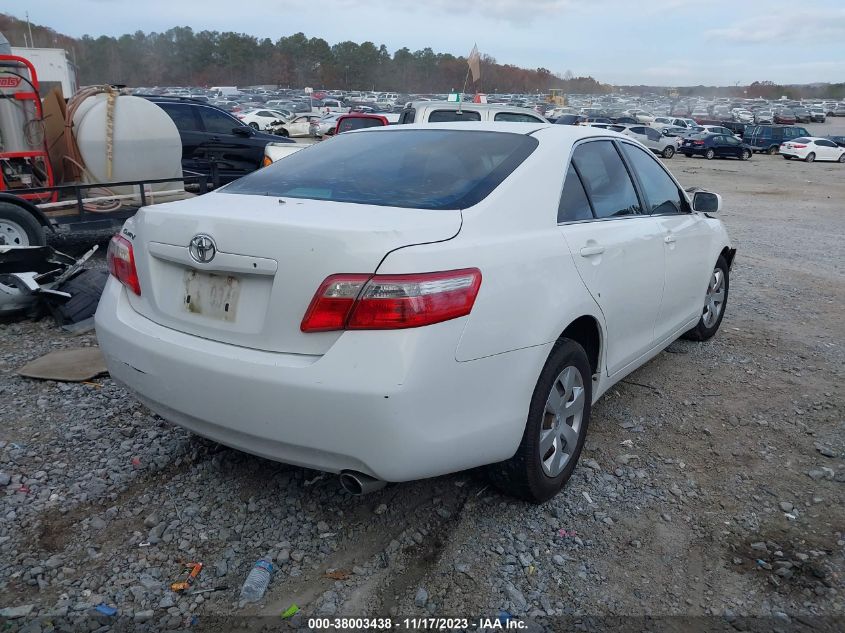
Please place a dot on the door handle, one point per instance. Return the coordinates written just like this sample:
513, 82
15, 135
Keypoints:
589, 251
214, 139
669, 239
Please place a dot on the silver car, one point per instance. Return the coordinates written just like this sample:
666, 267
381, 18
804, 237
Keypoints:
652, 139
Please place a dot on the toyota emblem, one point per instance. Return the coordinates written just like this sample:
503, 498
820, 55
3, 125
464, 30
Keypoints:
202, 248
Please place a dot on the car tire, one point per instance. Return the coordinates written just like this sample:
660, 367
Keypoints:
253, 125
18, 227
566, 380
714, 310
709, 154
745, 155
668, 152
809, 158
773, 150
842, 158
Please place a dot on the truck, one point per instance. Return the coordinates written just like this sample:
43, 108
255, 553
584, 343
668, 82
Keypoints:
54, 68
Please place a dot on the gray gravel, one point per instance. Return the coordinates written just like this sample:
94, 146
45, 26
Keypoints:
711, 483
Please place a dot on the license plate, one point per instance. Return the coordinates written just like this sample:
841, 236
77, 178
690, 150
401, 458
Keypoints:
213, 296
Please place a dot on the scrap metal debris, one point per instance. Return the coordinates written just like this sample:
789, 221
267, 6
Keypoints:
32, 280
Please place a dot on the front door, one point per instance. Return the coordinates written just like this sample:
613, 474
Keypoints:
683, 233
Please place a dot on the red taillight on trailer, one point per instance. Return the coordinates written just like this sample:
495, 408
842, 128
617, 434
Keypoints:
121, 261
387, 302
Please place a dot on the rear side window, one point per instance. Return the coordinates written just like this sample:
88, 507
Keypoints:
662, 192
515, 117
574, 204
452, 116
606, 180
183, 116
412, 168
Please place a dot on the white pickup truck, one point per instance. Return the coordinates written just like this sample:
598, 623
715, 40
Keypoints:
451, 111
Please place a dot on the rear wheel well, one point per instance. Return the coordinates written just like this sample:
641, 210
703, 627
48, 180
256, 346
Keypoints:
585, 331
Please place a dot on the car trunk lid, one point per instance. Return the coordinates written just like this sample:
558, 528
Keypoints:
270, 256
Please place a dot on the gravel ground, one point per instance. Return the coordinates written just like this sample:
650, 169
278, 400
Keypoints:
710, 490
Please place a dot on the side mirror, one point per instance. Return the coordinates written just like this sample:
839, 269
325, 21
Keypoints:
706, 202
242, 130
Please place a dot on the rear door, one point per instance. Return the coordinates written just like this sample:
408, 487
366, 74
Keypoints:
617, 249
189, 125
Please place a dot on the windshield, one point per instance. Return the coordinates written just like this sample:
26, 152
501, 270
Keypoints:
420, 169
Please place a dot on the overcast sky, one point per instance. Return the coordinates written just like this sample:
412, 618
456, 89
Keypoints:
663, 42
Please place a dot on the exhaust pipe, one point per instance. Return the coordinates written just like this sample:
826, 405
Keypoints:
357, 484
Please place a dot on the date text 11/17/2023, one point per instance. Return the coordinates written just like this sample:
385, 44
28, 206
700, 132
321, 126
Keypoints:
503, 622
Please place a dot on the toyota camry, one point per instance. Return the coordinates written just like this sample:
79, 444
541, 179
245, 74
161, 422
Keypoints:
409, 301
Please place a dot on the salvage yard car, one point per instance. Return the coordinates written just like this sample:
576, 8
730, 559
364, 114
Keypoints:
393, 317
811, 148
715, 146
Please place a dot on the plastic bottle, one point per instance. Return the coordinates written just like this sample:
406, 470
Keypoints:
256, 582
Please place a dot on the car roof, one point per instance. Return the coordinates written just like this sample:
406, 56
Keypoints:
564, 133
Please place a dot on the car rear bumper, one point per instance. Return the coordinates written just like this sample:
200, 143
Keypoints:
395, 405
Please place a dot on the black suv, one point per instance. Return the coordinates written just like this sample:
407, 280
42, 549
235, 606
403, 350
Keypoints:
214, 142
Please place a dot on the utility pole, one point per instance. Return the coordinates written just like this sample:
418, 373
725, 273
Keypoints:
29, 26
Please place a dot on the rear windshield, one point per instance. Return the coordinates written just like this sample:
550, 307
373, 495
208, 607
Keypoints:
452, 116
418, 169
801, 140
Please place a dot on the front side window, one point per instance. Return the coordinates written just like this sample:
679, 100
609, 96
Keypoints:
661, 191
409, 168
574, 204
452, 116
217, 122
606, 180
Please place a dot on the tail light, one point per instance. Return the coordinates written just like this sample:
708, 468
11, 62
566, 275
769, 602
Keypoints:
121, 262
387, 302
698, 142
267, 161
798, 145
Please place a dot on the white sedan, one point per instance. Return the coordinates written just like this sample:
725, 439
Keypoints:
393, 317
260, 118
811, 148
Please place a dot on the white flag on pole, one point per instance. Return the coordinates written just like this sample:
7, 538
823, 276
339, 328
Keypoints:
474, 61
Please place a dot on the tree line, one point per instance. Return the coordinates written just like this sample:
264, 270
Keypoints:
183, 57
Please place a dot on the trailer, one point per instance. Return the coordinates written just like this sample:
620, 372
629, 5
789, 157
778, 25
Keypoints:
82, 207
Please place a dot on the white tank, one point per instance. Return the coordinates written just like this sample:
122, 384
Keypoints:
145, 145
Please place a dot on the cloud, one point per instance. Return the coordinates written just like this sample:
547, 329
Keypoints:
775, 28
